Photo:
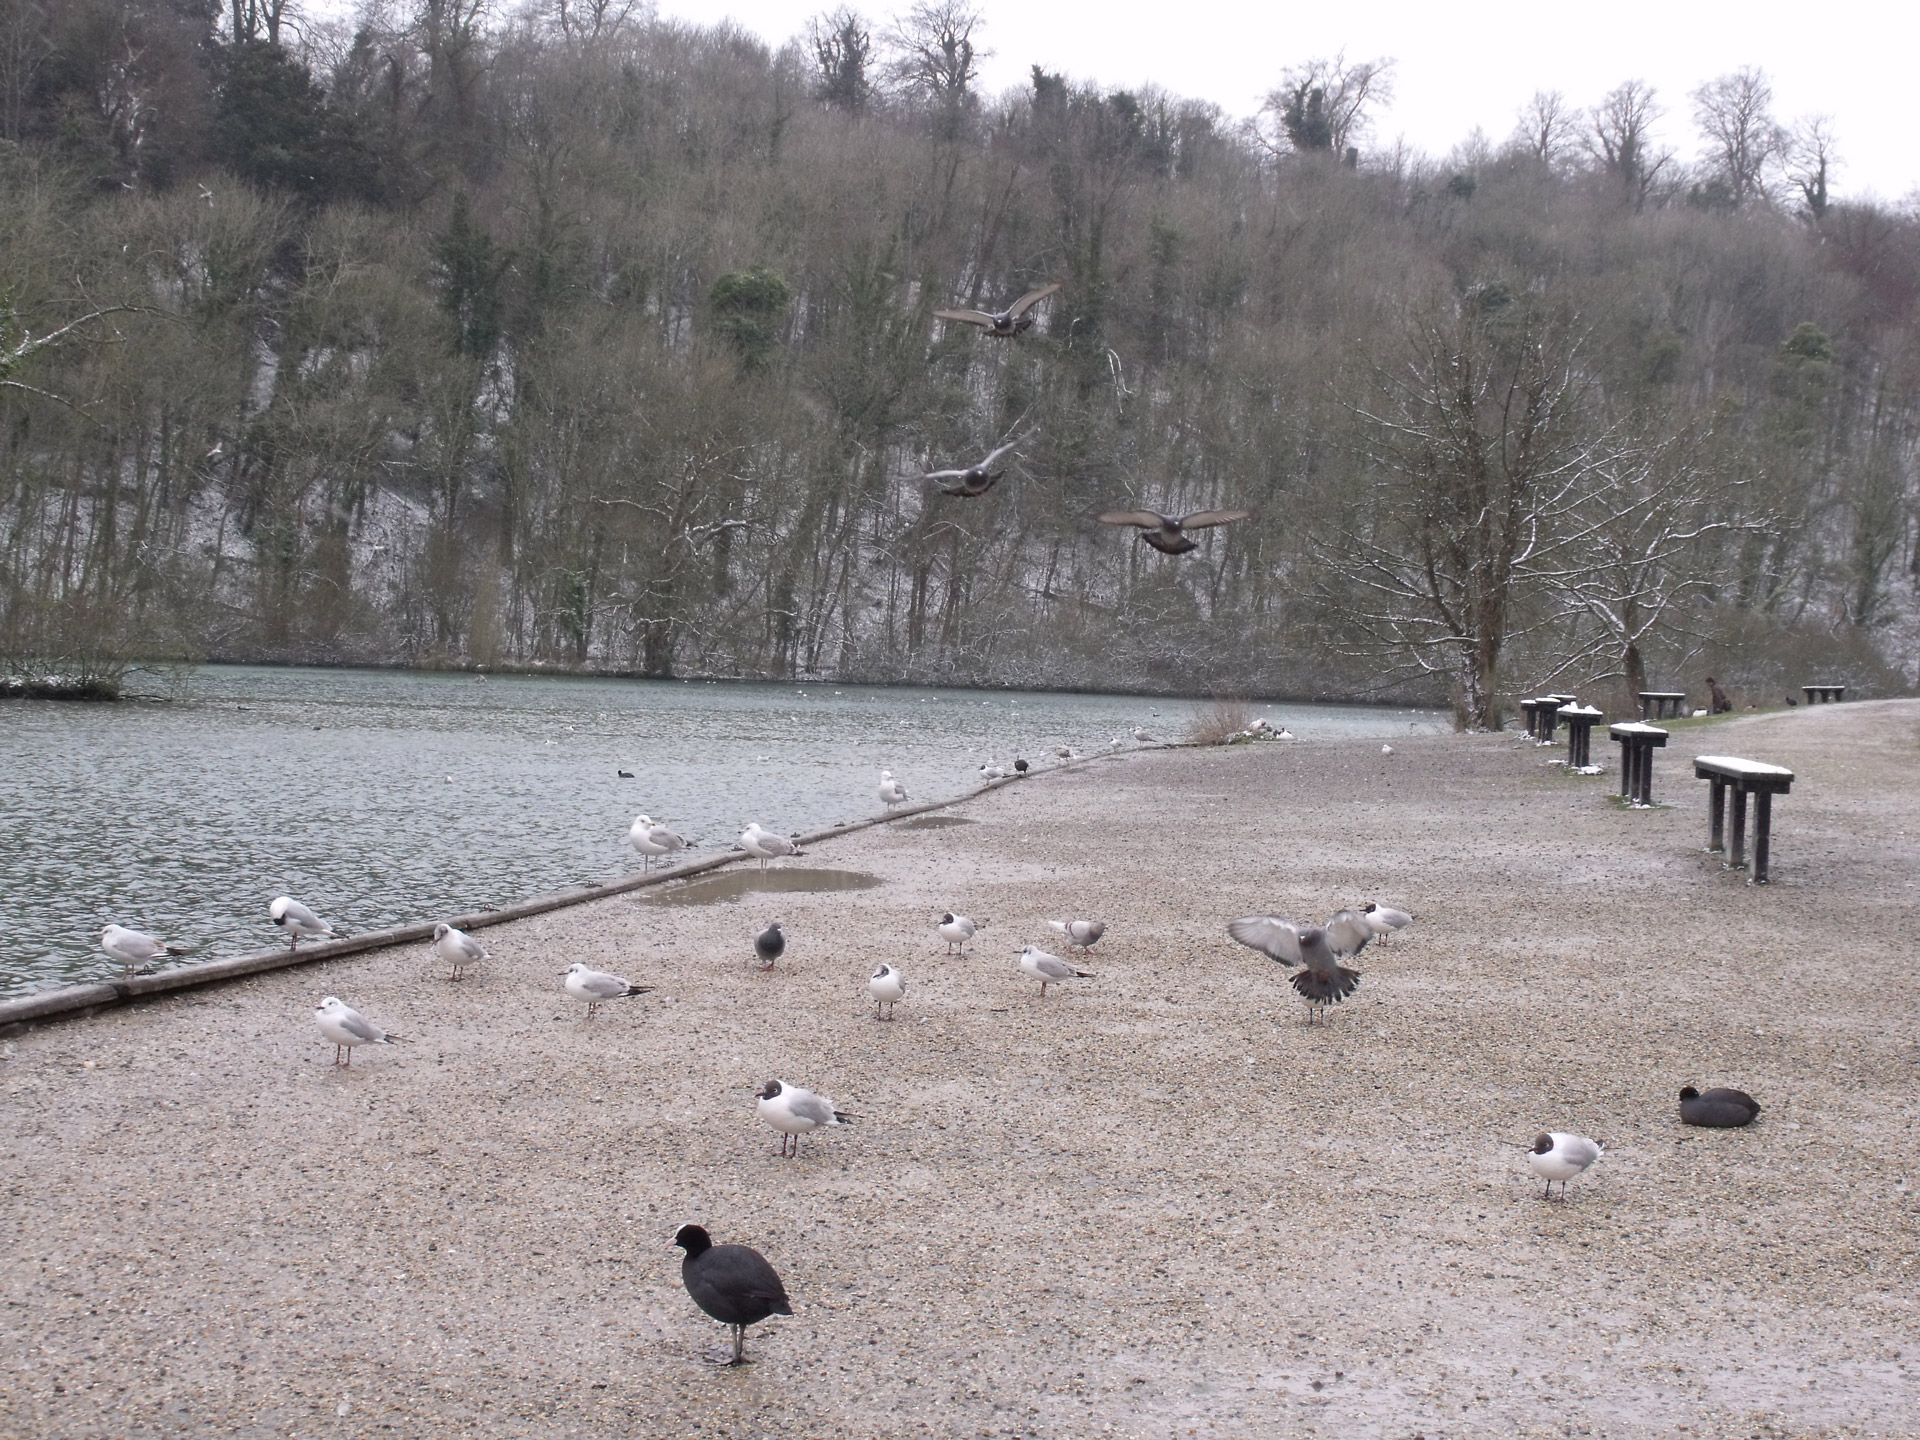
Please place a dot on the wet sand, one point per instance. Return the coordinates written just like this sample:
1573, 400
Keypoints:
1158, 1204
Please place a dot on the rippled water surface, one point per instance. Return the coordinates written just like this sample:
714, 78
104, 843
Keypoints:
379, 797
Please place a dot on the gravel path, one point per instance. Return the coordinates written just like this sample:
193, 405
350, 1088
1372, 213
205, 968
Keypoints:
1158, 1204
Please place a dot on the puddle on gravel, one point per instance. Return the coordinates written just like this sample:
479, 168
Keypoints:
936, 822
735, 884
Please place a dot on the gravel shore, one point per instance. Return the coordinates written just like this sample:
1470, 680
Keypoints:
1157, 1203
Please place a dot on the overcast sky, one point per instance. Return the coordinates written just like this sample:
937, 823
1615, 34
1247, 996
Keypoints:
1464, 65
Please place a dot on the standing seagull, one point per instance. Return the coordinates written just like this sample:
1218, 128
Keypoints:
594, 986
135, 949
344, 1027
955, 930
1006, 323
888, 987
1384, 921
1560, 1156
732, 1283
298, 921
765, 845
975, 480
892, 792
1324, 982
651, 839
1049, 969
1143, 737
457, 948
770, 944
1081, 934
795, 1112
1168, 533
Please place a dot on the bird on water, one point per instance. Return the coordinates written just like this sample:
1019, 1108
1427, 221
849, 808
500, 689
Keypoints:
1003, 324
732, 1283
1325, 981
298, 921
1719, 1108
795, 1111
1561, 1156
597, 987
972, 481
1168, 533
770, 944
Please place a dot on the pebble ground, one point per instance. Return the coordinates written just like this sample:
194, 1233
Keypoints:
1157, 1203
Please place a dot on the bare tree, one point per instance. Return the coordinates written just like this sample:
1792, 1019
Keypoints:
1322, 106
935, 61
842, 48
1810, 160
1621, 138
1743, 139
1480, 447
1548, 129
591, 19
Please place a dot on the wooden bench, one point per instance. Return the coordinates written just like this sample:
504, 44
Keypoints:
1531, 709
1637, 741
1665, 704
1744, 778
1825, 694
1550, 707
1580, 722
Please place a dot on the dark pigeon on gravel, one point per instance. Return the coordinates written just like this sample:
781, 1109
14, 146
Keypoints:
770, 944
732, 1283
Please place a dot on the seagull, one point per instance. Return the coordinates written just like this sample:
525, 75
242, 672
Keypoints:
344, 1027
1008, 322
1386, 749
297, 920
888, 987
1325, 981
975, 480
770, 944
892, 792
651, 839
765, 845
1048, 969
1168, 533
795, 1112
1383, 921
1081, 934
1142, 736
1719, 1108
457, 948
991, 771
732, 1283
956, 930
594, 986
1559, 1156
1115, 743
135, 949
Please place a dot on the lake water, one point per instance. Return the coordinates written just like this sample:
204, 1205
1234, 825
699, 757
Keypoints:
380, 797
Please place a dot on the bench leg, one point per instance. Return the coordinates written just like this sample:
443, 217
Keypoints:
1762, 834
1644, 786
1716, 814
1627, 773
1737, 857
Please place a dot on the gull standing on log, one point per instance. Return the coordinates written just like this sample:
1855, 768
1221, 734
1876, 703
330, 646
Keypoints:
765, 845
651, 839
892, 792
298, 921
135, 949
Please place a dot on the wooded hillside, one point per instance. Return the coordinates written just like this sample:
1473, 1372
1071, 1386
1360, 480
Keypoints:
571, 338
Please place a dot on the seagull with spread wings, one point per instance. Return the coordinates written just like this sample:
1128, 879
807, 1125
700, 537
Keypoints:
1325, 981
975, 480
1008, 322
1168, 533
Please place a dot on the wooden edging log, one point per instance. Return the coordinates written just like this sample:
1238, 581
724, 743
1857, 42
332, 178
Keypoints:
70, 1001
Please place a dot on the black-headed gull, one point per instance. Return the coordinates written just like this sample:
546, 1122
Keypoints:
344, 1027
888, 987
298, 921
794, 1112
1049, 969
955, 930
1561, 1156
458, 949
1383, 921
596, 986
732, 1283
135, 949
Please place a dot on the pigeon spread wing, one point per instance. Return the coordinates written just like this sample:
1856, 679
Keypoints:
1205, 519
1032, 298
1271, 936
1348, 933
969, 317
1145, 519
